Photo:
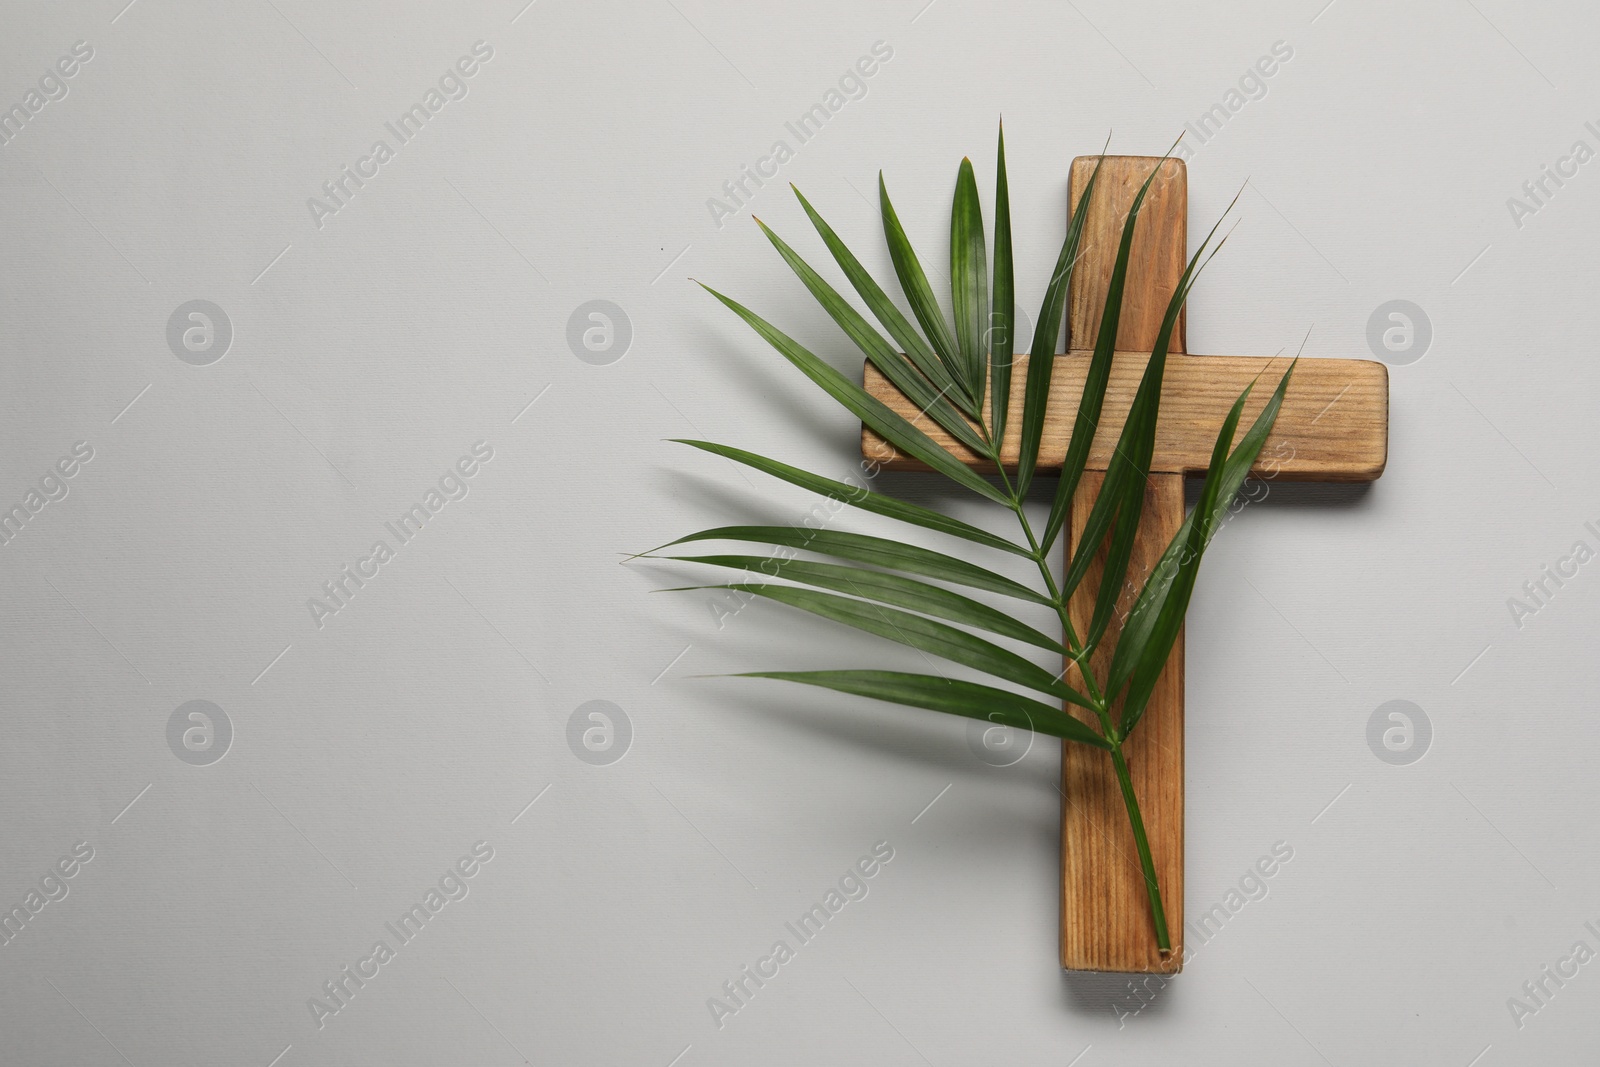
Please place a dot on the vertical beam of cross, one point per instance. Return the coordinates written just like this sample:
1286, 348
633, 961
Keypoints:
1105, 908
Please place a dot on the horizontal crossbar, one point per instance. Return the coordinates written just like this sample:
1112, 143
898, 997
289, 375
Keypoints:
1333, 426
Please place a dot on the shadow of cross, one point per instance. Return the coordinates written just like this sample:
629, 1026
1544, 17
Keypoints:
1333, 427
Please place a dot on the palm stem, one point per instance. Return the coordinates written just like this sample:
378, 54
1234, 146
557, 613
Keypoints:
1102, 711
1074, 649
1070, 637
1163, 940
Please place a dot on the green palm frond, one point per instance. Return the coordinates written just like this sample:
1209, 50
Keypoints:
1041, 356
914, 283
960, 379
1002, 345
887, 588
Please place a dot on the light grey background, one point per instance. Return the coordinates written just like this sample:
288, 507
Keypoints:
369, 354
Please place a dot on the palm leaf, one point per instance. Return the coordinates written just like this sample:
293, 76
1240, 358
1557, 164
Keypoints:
949, 695
1087, 420
855, 496
888, 424
874, 551
1002, 345
1169, 618
887, 588
899, 327
914, 283
893, 365
1147, 633
969, 278
921, 633
1122, 493
1125, 485
1042, 357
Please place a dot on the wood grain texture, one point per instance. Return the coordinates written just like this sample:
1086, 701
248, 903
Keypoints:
1105, 912
1333, 426
1155, 261
1105, 908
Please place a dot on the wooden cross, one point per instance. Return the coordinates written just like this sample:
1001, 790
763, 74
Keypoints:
1333, 427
